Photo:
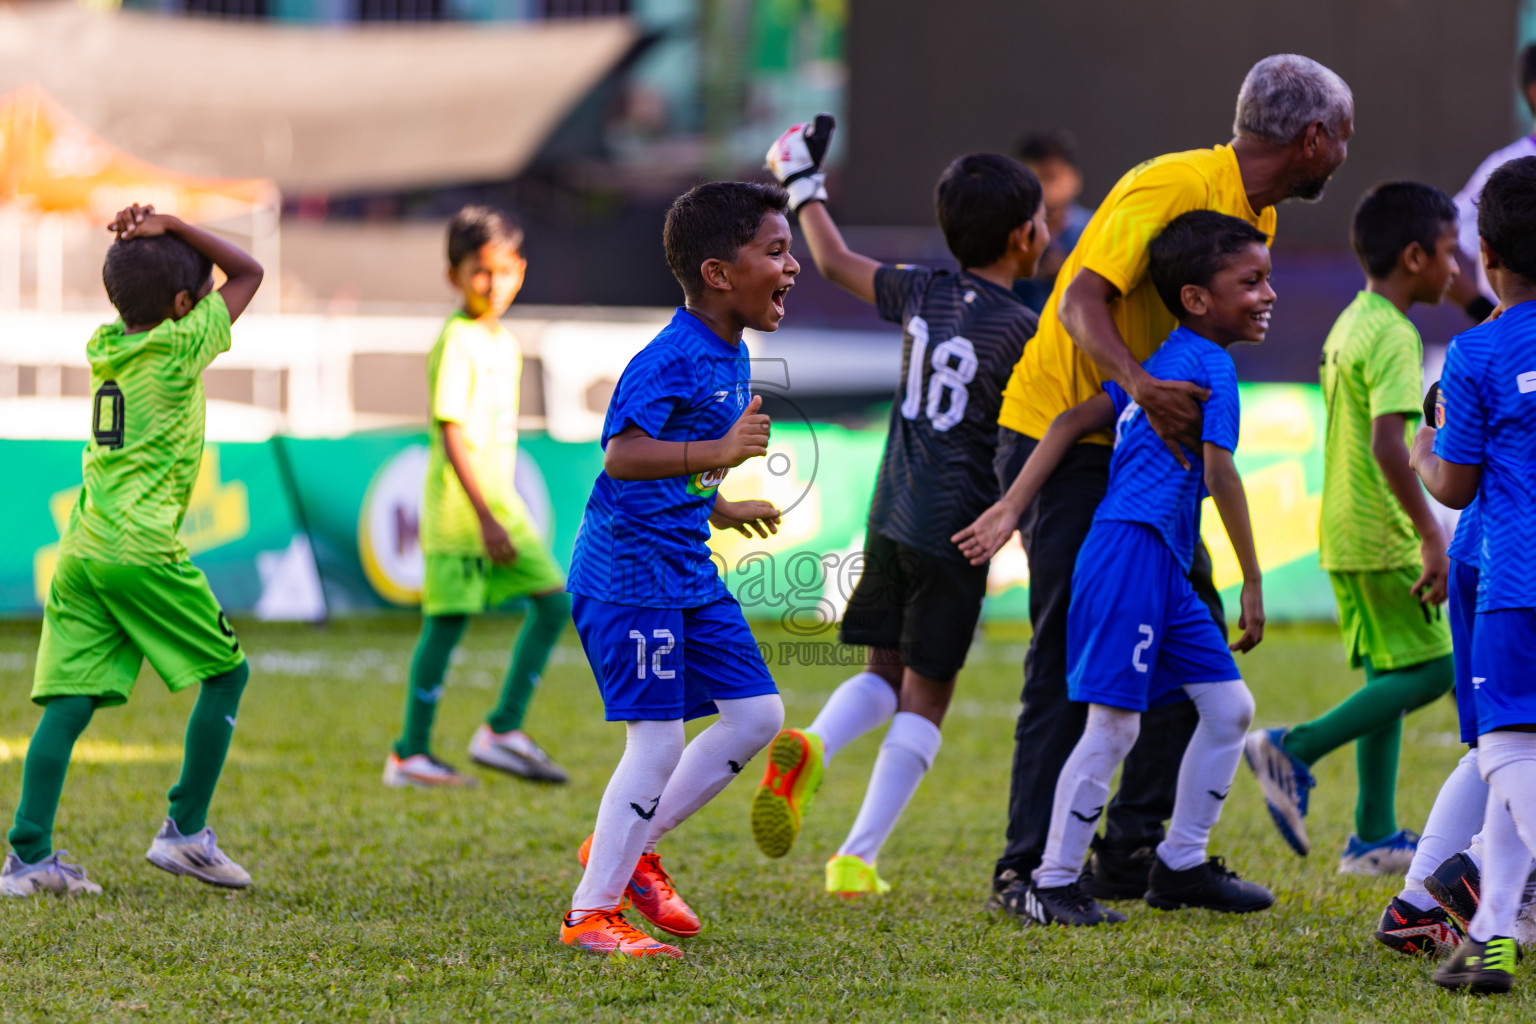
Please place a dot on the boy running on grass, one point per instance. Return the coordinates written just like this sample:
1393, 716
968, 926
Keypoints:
480, 543
1137, 633
666, 640
917, 601
124, 589
1379, 540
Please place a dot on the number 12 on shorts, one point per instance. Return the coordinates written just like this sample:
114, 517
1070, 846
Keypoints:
668, 643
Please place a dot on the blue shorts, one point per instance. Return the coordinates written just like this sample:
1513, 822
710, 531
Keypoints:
1504, 668
1136, 631
1461, 608
668, 663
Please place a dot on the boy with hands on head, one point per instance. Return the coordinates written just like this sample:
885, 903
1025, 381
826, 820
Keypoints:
1138, 635
917, 601
124, 589
666, 641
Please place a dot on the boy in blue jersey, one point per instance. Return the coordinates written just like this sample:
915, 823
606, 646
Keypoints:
1137, 634
1485, 450
665, 639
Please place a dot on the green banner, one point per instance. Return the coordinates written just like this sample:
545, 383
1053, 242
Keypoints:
301, 528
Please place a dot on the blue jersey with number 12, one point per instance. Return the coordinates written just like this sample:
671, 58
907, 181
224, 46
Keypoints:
645, 542
1146, 483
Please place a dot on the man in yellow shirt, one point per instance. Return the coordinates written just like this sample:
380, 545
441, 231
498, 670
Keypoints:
1294, 119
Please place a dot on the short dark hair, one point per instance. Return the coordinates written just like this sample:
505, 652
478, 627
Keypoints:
1394, 215
144, 275
1192, 249
712, 222
979, 200
477, 226
1506, 215
1038, 147
1527, 68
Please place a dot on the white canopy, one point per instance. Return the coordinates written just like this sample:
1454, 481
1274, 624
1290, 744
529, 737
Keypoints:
313, 108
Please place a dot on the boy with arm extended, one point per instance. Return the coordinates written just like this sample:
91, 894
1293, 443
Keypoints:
1138, 635
1380, 543
917, 601
124, 589
480, 543
666, 640
1485, 450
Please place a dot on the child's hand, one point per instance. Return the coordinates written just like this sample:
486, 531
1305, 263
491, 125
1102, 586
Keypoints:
1422, 447
1251, 620
139, 222
987, 535
1434, 581
745, 516
748, 436
498, 543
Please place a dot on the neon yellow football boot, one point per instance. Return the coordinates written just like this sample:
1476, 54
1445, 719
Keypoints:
789, 784
849, 875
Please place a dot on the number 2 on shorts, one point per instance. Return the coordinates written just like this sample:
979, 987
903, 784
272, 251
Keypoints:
1136, 653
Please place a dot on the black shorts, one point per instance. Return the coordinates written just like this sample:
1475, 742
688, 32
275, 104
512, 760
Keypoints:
922, 605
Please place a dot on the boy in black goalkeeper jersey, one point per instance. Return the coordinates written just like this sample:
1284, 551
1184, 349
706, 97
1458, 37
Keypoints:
918, 600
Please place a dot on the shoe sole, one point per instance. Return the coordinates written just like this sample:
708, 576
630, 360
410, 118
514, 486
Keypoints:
777, 805
177, 868
1376, 868
1476, 984
412, 782
1169, 903
1451, 901
1108, 891
523, 769
1294, 833
1412, 941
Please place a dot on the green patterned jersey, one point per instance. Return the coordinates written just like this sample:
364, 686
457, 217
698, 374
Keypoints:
146, 446
1373, 365
473, 375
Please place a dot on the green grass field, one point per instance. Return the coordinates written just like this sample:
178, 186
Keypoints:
387, 905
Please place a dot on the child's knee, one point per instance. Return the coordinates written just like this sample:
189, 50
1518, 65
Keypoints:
756, 719
232, 681
1115, 728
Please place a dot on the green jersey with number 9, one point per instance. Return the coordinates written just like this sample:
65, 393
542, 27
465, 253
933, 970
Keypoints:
146, 446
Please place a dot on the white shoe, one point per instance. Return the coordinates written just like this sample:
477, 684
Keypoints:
197, 856
514, 752
48, 875
425, 771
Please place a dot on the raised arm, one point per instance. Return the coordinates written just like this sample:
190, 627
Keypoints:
836, 262
1391, 454
242, 273
1172, 406
632, 454
1226, 487
991, 530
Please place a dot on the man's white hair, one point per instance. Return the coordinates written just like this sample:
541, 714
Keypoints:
1284, 93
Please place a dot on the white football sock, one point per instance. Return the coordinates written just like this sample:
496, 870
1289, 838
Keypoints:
1082, 790
862, 703
1474, 850
1508, 763
1453, 821
715, 757
911, 744
1207, 770
651, 752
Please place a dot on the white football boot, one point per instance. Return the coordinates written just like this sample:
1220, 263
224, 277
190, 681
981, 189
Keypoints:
48, 875
515, 753
197, 856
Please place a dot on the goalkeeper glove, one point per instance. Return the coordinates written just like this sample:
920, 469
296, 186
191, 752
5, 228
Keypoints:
795, 159
1432, 406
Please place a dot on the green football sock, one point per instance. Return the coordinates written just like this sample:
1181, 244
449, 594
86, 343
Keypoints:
429, 667
547, 616
209, 730
1373, 717
42, 776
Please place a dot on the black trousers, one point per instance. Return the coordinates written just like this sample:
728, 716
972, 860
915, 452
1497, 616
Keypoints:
1053, 529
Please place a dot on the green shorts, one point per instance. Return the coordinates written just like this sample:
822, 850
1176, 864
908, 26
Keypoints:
102, 620
1383, 621
469, 584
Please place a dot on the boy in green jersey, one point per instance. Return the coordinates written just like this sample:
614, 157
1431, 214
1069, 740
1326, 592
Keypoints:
481, 545
1379, 539
124, 590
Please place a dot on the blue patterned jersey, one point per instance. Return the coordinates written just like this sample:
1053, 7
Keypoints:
645, 542
1488, 388
1146, 483
1467, 541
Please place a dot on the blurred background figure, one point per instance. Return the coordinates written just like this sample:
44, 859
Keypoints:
1053, 158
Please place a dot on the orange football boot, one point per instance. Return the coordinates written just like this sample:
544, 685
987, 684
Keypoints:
606, 931
650, 891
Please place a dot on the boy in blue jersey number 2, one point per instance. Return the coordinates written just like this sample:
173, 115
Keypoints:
665, 639
1137, 634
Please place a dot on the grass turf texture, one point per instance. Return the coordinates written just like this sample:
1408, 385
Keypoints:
379, 904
